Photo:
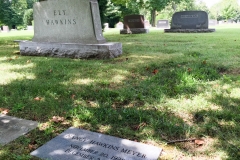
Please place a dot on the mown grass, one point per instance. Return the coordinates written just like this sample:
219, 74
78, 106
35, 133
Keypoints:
164, 87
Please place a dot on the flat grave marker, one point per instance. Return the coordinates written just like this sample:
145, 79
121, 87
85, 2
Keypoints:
12, 128
78, 144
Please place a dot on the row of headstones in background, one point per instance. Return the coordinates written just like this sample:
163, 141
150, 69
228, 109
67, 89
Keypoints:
134, 24
190, 21
163, 23
71, 29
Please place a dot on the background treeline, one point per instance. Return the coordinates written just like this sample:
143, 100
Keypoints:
19, 14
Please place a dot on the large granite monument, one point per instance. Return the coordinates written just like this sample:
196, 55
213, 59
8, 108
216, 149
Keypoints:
134, 24
64, 28
190, 21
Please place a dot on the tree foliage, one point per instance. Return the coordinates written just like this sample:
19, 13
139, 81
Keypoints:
225, 9
12, 12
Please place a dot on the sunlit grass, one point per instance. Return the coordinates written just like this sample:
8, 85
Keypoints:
163, 87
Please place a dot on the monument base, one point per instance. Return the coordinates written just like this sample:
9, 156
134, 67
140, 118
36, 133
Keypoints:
188, 30
71, 50
134, 31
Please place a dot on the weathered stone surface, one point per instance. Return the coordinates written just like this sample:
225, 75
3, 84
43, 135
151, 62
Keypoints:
12, 127
64, 28
78, 144
71, 50
65, 21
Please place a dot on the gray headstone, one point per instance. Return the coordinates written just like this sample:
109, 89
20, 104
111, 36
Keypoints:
75, 21
163, 23
78, 144
63, 23
12, 127
190, 20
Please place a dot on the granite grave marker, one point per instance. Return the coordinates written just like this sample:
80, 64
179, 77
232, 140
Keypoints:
190, 21
12, 127
64, 28
163, 23
134, 24
78, 144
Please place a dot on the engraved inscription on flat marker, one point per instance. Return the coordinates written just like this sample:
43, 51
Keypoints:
12, 127
78, 144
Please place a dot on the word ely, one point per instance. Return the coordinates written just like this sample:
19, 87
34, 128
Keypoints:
63, 21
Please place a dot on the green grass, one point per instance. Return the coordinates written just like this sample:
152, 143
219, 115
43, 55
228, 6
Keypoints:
164, 87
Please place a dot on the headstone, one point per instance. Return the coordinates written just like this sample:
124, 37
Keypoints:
134, 24
12, 127
147, 24
220, 22
30, 28
5, 29
64, 28
119, 25
190, 21
78, 144
213, 22
163, 23
106, 26
230, 21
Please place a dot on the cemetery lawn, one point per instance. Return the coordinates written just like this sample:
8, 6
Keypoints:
165, 87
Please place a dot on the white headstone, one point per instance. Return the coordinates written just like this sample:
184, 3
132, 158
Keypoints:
67, 22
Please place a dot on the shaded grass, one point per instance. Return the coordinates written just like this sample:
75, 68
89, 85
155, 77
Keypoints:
164, 87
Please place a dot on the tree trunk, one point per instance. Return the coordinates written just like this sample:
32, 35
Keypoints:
153, 17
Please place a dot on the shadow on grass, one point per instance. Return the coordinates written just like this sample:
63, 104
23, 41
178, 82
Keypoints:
222, 124
128, 109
